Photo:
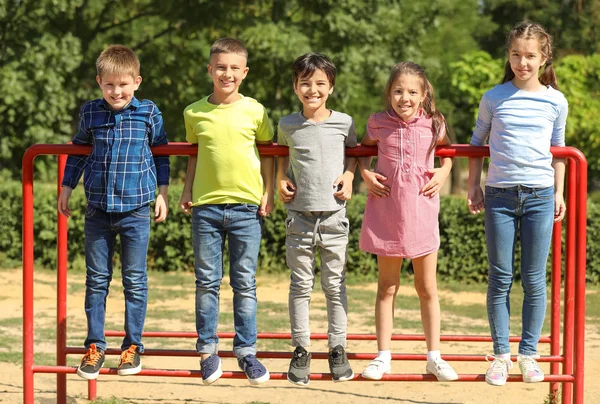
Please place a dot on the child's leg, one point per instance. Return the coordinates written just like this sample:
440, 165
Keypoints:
501, 207
244, 231
387, 289
426, 287
208, 239
300, 257
334, 248
536, 235
134, 230
99, 248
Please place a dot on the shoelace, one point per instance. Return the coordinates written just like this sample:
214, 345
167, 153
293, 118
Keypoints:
499, 365
92, 356
129, 355
301, 358
528, 364
337, 357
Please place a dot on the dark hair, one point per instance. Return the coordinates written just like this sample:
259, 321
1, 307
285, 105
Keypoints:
529, 30
413, 69
228, 45
307, 64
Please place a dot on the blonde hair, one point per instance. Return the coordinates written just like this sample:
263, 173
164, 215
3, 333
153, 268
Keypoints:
117, 59
228, 45
529, 30
428, 105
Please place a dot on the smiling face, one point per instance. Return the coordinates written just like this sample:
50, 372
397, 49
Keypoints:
118, 89
313, 92
525, 58
406, 95
227, 71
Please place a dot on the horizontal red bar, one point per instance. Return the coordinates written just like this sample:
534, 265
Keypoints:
283, 376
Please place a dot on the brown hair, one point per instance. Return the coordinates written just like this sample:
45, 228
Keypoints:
307, 64
529, 30
117, 59
228, 45
413, 69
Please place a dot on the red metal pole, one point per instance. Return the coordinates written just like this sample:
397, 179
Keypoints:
555, 301
61, 292
28, 276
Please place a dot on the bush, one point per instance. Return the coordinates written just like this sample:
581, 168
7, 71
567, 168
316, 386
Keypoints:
462, 255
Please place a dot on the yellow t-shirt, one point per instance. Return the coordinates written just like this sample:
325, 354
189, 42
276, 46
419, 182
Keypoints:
228, 167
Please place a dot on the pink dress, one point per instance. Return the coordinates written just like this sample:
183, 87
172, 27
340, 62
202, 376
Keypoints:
404, 224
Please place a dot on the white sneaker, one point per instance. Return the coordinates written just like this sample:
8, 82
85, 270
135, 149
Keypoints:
376, 369
497, 373
531, 371
440, 369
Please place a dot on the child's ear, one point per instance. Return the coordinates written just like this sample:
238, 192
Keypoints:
137, 81
99, 81
331, 91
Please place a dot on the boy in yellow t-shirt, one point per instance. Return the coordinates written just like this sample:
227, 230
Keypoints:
228, 189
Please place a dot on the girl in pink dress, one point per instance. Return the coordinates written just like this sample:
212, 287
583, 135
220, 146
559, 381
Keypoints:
401, 214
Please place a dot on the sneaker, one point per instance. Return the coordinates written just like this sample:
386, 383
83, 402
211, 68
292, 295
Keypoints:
299, 371
90, 365
339, 365
497, 373
255, 371
129, 362
211, 369
376, 369
440, 369
530, 369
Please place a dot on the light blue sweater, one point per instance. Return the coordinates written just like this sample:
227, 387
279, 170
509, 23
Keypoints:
521, 126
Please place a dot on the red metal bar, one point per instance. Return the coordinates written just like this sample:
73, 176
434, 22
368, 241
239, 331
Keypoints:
555, 284
61, 291
574, 299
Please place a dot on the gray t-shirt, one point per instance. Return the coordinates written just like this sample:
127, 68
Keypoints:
317, 158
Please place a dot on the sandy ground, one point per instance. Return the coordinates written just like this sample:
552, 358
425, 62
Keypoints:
146, 389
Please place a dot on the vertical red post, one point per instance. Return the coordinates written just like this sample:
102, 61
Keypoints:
61, 292
27, 179
555, 301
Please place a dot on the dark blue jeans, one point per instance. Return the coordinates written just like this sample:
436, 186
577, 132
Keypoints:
528, 212
211, 225
101, 231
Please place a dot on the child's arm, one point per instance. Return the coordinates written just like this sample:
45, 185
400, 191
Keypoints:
559, 183
344, 181
285, 187
440, 175
267, 171
475, 194
185, 202
63, 201
372, 179
161, 205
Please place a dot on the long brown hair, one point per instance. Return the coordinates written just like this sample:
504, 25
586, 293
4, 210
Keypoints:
428, 105
530, 30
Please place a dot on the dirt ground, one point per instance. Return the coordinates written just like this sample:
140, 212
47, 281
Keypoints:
146, 389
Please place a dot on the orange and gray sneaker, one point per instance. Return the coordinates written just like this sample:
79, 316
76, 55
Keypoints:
130, 362
90, 365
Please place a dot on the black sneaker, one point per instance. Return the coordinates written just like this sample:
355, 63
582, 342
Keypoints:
299, 371
90, 365
339, 365
130, 362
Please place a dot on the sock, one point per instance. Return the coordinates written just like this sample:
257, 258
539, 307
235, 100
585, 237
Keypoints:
385, 356
433, 355
505, 356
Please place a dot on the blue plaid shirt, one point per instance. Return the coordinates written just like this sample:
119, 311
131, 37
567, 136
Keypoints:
121, 174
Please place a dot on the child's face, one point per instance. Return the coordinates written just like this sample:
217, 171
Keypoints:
525, 58
406, 96
227, 71
313, 91
117, 89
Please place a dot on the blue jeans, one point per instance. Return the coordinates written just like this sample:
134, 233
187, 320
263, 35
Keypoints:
529, 213
101, 230
211, 225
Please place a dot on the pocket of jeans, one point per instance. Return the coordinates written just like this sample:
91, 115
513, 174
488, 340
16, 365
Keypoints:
344, 224
288, 224
492, 191
142, 213
544, 194
250, 207
90, 211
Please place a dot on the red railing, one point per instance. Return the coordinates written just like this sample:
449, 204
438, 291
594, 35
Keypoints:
572, 356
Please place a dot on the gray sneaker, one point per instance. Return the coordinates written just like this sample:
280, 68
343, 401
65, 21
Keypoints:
299, 371
339, 365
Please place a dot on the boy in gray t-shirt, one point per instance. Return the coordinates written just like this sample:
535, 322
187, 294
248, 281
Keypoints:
315, 182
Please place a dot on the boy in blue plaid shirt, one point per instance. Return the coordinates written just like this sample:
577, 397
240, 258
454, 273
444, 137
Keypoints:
120, 181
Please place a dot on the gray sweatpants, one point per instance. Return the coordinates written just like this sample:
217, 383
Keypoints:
305, 232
